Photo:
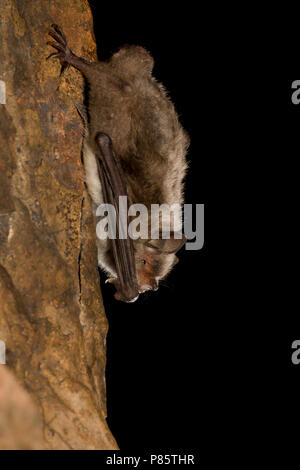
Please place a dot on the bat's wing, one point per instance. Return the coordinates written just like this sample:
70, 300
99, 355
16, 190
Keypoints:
113, 186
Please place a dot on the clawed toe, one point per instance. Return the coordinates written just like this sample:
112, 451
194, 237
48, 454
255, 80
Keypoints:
56, 45
57, 37
58, 34
60, 44
53, 54
63, 52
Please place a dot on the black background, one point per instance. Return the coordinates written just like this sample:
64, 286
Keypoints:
288, 325
161, 376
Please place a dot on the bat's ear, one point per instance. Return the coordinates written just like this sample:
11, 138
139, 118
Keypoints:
171, 245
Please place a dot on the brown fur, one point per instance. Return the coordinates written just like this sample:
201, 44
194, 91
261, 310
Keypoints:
127, 103
130, 106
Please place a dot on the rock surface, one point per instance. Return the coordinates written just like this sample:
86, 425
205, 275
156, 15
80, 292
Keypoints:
52, 318
20, 423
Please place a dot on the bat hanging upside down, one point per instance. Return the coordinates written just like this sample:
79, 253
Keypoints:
133, 146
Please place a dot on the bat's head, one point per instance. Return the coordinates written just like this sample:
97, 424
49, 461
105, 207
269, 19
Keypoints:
154, 259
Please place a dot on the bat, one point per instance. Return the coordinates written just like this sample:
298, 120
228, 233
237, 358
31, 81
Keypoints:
134, 146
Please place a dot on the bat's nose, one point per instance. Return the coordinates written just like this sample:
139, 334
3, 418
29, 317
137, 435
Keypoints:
151, 286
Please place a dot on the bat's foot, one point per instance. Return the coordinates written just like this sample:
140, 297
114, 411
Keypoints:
110, 280
64, 53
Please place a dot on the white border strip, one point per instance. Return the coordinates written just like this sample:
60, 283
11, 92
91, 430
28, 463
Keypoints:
2, 92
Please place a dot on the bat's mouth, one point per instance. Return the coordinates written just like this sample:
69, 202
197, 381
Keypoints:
131, 295
127, 300
132, 300
140, 292
124, 293
146, 289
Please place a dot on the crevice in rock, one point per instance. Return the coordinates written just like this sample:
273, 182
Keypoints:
80, 250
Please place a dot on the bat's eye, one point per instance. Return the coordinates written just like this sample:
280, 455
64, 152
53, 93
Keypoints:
143, 261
